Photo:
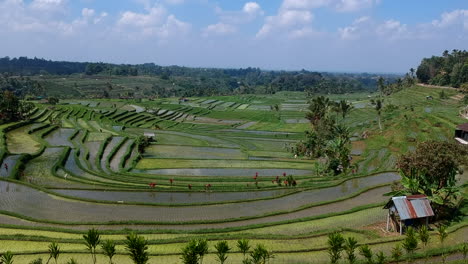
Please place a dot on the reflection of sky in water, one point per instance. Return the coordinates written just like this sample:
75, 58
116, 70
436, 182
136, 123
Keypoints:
317, 195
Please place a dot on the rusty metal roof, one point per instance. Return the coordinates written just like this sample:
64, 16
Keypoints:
463, 127
411, 207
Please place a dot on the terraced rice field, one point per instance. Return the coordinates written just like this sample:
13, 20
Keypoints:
197, 178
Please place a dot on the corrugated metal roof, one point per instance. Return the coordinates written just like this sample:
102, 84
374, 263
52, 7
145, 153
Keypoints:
463, 127
411, 207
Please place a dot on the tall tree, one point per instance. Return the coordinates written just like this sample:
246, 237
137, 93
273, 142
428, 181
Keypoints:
244, 246
92, 240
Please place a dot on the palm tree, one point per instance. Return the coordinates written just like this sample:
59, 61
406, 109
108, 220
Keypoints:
137, 246
366, 252
344, 108
54, 252
442, 234
201, 249
92, 240
222, 248
260, 255
7, 258
424, 236
397, 253
318, 109
350, 246
109, 249
378, 105
243, 246
189, 254
411, 242
335, 246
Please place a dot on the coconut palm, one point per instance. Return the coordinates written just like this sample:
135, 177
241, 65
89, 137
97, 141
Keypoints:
222, 248
92, 240
54, 252
350, 246
318, 109
201, 249
343, 107
335, 246
7, 258
260, 255
137, 246
378, 105
244, 246
108, 247
189, 254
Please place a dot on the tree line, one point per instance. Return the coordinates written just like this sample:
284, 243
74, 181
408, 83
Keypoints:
450, 69
186, 81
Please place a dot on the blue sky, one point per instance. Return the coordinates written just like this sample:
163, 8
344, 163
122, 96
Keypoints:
320, 35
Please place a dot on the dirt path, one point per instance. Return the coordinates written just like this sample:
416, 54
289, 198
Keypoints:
436, 86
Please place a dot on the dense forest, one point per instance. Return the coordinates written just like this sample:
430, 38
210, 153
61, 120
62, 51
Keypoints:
177, 81
450, 69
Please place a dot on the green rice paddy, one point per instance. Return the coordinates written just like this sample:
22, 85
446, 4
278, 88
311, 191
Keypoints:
198, 178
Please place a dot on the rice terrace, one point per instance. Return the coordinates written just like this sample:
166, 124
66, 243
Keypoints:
137, 163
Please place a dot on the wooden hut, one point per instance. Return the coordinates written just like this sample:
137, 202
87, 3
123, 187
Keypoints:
461, 134
413, 210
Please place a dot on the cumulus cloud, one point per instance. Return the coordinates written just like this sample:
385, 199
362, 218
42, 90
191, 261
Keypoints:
367, 27
154, 22
40, 16
459, 16
285, 20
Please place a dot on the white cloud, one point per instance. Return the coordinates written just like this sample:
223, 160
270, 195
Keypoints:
219, 29
285, 20
155, 22
155, 16
250, 11
355, 30
392, 29
459, 16
48, 5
